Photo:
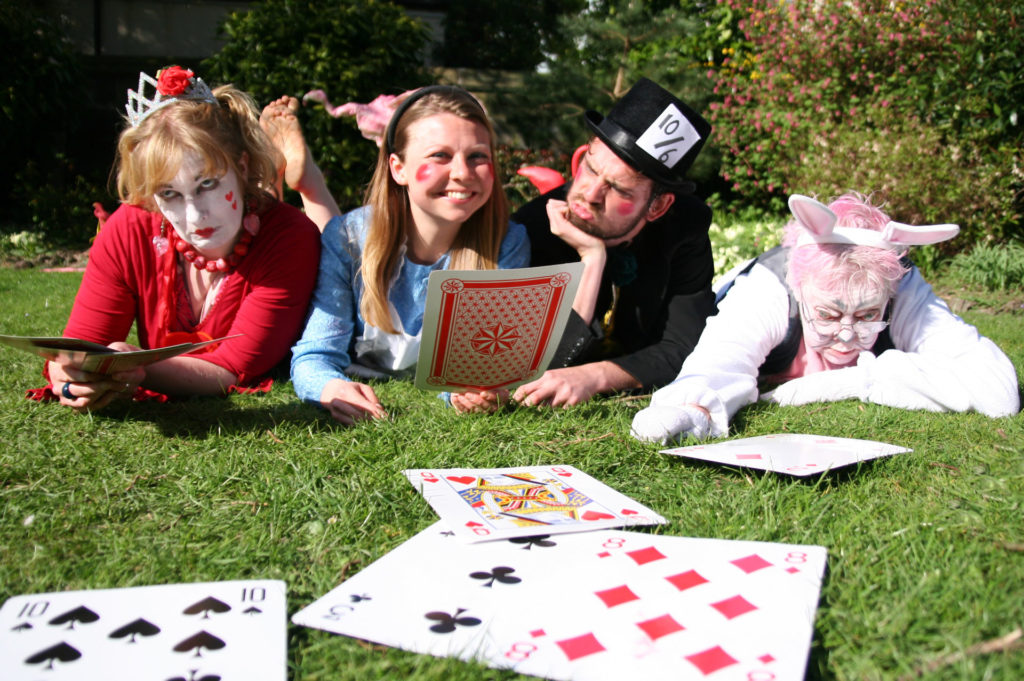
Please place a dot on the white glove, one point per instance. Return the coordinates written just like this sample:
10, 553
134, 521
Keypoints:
664, 424
824, 386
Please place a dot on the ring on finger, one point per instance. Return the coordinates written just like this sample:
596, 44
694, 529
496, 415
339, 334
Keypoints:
66, 392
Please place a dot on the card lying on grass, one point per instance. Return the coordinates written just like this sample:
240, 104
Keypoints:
483, 504
213, 631
609, 604
490, 329
99, 359
792, 453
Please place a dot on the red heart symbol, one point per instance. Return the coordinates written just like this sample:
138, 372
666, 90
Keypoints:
234, 205
465, 479
473, 524
229, 196
628, 511
430, 479
596, 515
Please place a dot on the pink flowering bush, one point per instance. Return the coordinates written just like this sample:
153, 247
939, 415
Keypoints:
917, 101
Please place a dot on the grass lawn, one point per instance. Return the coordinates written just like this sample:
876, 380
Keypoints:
926, 550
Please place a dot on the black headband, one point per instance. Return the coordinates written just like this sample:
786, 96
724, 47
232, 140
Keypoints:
412, 99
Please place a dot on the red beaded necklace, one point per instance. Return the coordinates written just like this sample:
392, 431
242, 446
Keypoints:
250, 224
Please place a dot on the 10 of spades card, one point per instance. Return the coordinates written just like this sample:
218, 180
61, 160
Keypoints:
491, 329
214, 631
483, 504
792, 453
610, 604
96, 358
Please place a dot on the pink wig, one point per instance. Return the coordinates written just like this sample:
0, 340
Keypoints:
845, 269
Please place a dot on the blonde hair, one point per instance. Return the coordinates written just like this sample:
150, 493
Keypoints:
150, 155
477, 245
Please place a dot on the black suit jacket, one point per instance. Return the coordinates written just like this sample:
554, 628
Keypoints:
664, 279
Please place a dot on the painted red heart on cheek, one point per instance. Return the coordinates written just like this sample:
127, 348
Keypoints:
229, 196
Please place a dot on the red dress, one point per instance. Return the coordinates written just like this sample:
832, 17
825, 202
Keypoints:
265, 298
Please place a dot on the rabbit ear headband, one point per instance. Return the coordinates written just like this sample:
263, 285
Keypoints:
819, 228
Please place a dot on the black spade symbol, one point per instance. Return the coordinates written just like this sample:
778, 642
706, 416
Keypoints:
198, 641
446, 623
139, 627
502, 575
540, 540
24, 626
206, 606
252, 610
81, 614
358, 598
62, 651
192, 677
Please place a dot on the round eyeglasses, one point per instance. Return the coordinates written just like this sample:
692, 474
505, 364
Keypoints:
833, 328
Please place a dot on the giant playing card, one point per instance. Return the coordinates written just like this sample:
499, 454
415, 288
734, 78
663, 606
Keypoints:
490, 329
96, 358
484, 504
797, 454
608, 604
212, 631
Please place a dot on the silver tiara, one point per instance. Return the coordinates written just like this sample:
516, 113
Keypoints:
138, 106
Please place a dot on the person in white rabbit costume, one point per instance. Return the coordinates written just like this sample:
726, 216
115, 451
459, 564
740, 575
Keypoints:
835, 313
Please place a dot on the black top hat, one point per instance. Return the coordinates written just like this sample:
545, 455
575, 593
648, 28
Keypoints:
654, 132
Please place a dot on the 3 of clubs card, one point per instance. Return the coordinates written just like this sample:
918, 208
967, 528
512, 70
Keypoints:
609, 604
792, 453
490, 329
483, 504
214, 631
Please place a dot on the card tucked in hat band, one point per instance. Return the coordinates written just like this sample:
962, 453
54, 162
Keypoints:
654, 132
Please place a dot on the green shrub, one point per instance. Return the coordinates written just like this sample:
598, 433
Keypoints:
994, 268
354, 50
920, 102
42, 103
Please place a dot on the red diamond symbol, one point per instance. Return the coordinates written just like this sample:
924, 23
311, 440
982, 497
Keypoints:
686, 580
734, 607
748, 456
581, 646
766, 658
711, 660
660, 626
537, 633
642, 556
751, 563
603, 554
616, 596
792, 570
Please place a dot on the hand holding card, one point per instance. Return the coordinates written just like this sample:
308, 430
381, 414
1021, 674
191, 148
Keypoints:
96, 358
491, 329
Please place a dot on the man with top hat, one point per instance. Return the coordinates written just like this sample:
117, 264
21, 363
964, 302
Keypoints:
631, 217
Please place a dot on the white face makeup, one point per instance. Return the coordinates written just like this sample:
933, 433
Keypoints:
838, 328
205, 210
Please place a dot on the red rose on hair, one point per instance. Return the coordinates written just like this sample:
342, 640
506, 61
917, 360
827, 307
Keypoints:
173, 81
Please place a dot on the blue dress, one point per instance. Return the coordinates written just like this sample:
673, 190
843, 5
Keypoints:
337, 338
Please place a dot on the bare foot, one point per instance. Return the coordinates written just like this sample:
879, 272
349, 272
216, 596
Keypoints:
280, 123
